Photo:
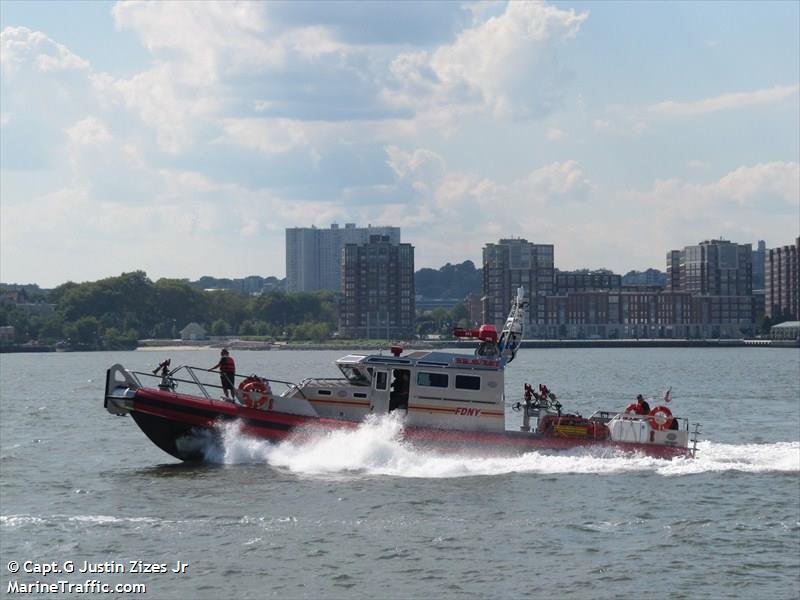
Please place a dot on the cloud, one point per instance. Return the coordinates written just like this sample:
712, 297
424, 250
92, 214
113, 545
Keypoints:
507, 64
45, 89
626, 120
697, 164
89, 131
377, 23
732, 101
20, 47
751, 202
554, 134
766, 185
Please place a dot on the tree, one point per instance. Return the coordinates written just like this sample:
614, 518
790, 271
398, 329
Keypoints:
247, 328
84, 332
220, 327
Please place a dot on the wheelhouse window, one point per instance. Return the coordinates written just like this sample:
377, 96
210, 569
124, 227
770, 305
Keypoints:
381, 380
439, 380
354, 375
468, 382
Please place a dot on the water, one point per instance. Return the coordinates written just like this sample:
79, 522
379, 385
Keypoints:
362, 515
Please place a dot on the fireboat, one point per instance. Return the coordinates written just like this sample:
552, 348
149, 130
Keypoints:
450, 400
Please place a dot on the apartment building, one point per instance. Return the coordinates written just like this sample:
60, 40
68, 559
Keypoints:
512, 263
782, 282
715, 267
313, 256
377, 290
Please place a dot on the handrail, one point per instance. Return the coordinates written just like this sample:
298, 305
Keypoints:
196, 381
200, 385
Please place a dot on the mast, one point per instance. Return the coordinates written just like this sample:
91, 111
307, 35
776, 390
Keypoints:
511, 335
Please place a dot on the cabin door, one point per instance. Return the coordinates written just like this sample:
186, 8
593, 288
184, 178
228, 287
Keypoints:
380, 392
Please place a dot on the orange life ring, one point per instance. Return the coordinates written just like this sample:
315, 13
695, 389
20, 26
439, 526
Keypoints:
632, 409
255, 392
661, 418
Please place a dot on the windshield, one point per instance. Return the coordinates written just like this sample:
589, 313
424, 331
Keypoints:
354, 375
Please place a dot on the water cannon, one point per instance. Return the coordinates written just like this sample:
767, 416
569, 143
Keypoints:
167, 382
163, 367
396, 350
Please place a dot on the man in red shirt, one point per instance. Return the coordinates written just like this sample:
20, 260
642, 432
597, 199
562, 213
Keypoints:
227, 373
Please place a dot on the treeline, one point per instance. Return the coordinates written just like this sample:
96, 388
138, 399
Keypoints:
451, 281
113, 313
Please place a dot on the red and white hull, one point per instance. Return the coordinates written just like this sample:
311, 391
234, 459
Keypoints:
172, 420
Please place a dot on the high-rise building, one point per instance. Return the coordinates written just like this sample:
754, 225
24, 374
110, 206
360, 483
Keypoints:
313, 256
759, 254
377, 290
674, 270
510, 264
782, 282
720, 270
715, 267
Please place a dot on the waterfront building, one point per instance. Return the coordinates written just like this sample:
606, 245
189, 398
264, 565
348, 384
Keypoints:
512, 263
715, 267
782, 282
377, 289
788, 331
313, 256
759, 256
474, 304
582, 281
674, 270
193, 331
643, 314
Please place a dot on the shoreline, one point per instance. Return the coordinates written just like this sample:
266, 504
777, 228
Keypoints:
242, 345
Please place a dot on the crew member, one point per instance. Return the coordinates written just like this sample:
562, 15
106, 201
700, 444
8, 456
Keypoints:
227, 373
642, 407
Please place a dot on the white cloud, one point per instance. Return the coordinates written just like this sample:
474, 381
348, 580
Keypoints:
209, 37
268, 136
20, 46
554, 134
621, 120
736, 100
776, 183
510, 54
89, 131
507, 64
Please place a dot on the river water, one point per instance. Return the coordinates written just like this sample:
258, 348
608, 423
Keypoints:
362, 515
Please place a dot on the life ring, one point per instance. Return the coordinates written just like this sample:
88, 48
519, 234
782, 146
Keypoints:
632, 409
255, 392
661, 418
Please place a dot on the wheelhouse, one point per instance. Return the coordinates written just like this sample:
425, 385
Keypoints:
439, 389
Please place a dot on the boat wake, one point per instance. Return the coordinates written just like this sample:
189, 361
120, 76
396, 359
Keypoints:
376, 448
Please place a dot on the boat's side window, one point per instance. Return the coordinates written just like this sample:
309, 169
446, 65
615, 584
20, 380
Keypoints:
439, 380
381, 380
468, 382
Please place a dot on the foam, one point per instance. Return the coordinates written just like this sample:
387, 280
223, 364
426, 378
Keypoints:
22, 520
376, 448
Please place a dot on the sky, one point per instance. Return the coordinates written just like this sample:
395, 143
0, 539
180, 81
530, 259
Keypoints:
183, 138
